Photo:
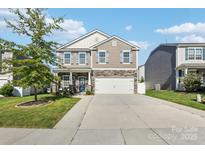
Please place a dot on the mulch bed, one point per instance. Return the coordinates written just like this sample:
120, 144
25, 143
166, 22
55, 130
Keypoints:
33, 103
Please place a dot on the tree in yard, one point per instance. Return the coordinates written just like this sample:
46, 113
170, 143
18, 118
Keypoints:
30, 62
192, 82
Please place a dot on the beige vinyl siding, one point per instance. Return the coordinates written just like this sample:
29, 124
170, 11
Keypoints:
114, 55
88, 41
75, 60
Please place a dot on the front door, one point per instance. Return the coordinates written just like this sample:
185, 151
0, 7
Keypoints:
81, 84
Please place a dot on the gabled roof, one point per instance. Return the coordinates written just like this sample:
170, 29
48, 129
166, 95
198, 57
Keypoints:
116, 37
84, 36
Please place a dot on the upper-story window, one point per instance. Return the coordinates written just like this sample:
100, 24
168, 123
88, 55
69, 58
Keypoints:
199, 54
102, 57
82, 58
126, 57
194, 54
67, 58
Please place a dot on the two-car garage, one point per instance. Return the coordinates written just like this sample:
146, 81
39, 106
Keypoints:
114, 85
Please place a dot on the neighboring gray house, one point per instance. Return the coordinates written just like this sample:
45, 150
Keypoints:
169, 63
98, 61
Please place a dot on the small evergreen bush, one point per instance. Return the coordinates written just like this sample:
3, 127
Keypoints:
7, 90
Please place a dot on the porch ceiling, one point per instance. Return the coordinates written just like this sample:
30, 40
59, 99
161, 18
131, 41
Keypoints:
191, 65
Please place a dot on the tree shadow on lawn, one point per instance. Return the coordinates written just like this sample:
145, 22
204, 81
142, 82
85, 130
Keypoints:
44, 100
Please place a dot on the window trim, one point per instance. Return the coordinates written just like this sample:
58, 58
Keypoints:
195, 49
64, 58
79, 57
99, 56
126, 57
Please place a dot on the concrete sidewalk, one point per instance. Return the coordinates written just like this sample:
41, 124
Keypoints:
62, 133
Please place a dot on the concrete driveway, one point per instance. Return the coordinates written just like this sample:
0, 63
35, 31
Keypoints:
118, 119
138, 119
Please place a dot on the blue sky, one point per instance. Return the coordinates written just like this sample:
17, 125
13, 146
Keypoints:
145, 27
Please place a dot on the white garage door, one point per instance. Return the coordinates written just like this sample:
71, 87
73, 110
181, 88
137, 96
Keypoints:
114, 85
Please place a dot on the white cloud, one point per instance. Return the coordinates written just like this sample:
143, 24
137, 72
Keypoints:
191, 39
184, 28
72, 28
128, 28
6, 13
141, 44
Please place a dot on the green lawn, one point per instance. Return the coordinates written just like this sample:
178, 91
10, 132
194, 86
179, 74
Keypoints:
188, 99
34, 117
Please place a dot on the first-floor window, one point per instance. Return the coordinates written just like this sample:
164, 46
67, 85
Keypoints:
82, 58
102, 57
181, 73
67, 57
126, 57
65, 80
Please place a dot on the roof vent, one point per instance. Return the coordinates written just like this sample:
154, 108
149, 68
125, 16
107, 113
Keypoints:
114, 43
96, 39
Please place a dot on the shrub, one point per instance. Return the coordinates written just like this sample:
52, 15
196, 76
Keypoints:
7, 90
192, 82
141, 79
88, 92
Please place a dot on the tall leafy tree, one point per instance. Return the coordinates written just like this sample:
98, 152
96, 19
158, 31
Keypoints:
30, 61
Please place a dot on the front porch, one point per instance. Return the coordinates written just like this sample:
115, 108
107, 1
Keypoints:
80, 79
184, 69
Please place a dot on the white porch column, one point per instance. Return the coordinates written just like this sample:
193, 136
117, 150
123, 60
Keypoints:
89, 80
71, 78
177, 80
185, 71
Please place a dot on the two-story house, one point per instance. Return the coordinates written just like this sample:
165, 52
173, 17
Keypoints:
5, 77
169, 63
98, 61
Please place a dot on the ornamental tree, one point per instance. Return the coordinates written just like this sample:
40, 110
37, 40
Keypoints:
30, 61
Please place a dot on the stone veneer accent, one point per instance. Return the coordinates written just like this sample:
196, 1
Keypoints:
115, 73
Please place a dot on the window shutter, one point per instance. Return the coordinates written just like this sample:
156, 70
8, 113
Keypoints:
97, 57
87, 54
107, 57
203, 53
77, 58
62, 58
186, 54
121, 57
71, 58
131, 57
